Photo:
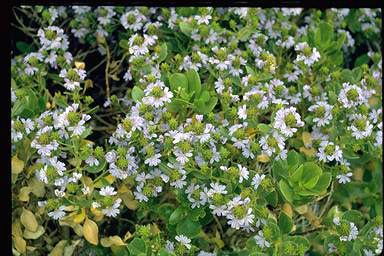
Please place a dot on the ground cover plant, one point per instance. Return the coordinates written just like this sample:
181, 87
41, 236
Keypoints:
196, 131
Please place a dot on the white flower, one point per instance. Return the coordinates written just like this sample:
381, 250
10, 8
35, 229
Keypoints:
328, 152
154, 160
58, 214
239, 215
196, 195
344, 178
351, 96
114, 210
361, 128
219, 86
257, 179
242, 112
108, 191
156, 94
368, 252
217, 188
184, 240
323, 114
243, 173
336, 220
286, 120
260, 240
86, 190
306, 54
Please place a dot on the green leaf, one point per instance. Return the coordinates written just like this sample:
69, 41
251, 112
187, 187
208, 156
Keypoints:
164, 252
124, 44
362, 59
285, 223
137, 93
286, 191
245, 33
23, 47
347, 76
204, 97
264, 128
186, 28
280, 168
275, 230
119, 250
97, 169
297, 174
293, 160
177, 216
163, 52
353, 216
165, 210
272, 198
311, 174
323, 183
324, 34
137, 246
300, 240
178, 80
340, 41
211, 104
189, 228
194, 84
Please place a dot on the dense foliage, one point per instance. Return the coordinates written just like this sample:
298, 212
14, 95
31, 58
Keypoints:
196, 131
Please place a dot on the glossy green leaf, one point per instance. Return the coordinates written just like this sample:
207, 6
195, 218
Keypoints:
188, 228
137, 246
311, 174
323, 183
177, 216
194, 84
178, 80
163, 52
186, 28
286, 191
285, 223
137, 93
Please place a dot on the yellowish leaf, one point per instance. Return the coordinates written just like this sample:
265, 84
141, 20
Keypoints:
20, 244
110, 179
288, 209
129, 200
34, 235
24, 194
302, 209
372, 100
79, 64
28, 220
79, 217
263, 158
14, 178
112, 240
69, 249
78, 229
127, 236
17, 165
154, 229
37, 187
98, 214
58, 250
91, 231
16, 228
308, 151
217, 240
307, 139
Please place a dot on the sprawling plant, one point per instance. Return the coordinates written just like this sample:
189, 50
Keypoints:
196, 131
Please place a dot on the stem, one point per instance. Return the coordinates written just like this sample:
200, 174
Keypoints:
327, 204
107, 71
